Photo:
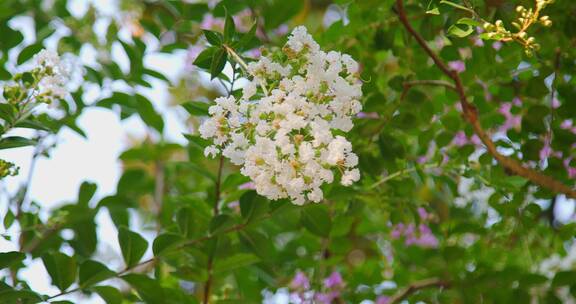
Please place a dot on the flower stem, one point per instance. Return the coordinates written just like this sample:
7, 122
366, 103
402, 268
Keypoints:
244, 66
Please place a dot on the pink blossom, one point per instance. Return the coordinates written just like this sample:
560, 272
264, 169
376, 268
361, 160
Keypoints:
567, 124
192, 54
458, 66
478, 42
423, 213
497, 45
334, 280
397, 231
428, 241
546, 150
460, 139
476, 140
247, 186
421, 236
326, 298
383, 300
555, 103
300, 281
254, 53
367, 115
209, 22
571, 171
512, 121
282, 30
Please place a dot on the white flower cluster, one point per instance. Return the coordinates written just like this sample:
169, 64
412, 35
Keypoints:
54, 75
284, 137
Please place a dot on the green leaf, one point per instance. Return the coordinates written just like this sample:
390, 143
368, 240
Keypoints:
246, 40
316, 219
11, 142
185, 220
28, 52
10, 37
214, 38
564, 278
7, 112
92, 272
165, 242
218, 63
32, 124
148, 289
86, 193
197, 108
8, 219
433, 11
220, 223
258, 243
239, 260
61, 268
204, 59
252, 206
10, 296
109, 294
468, 27
9, 259
148, 113
229, 29
133, 246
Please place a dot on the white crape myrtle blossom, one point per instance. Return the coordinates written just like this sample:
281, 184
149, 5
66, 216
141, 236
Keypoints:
55, 74
284, 136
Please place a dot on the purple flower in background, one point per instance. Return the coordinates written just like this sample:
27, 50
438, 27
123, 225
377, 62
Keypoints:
512, 121
247, 186
497, 45
191, 55
423, 213
505, 109
420, 235
569, 169
568, 124
367, 115
282, 30
383, 300
517, 101
555, 103
254, 53
460, 139
478, 42
546, 150
476, 140
209, 22
457, 65
397, 231
428, 241
326, 298
334, 280
300, 281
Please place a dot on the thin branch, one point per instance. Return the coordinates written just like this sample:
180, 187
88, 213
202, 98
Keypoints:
183, 245
470, 113
409, 84
159, 185
416, 286
404, 172
243, 64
